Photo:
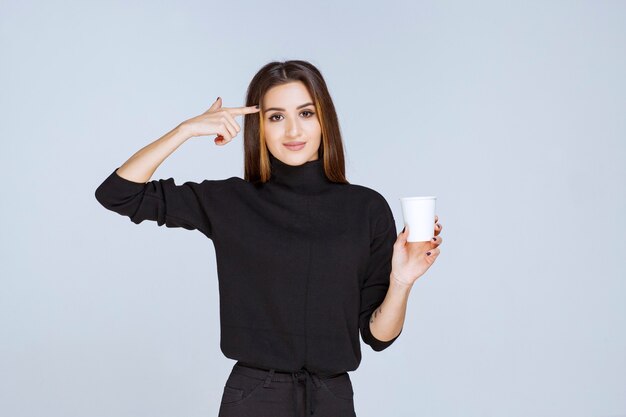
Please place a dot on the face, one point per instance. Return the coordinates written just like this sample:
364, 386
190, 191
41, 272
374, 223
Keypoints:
290, 117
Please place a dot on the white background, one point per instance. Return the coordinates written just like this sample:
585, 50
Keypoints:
511, 113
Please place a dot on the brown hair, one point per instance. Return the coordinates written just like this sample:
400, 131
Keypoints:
256, 153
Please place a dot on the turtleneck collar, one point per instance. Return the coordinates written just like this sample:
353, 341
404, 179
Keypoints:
308, 177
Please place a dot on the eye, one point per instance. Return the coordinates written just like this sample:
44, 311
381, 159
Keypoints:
280, 115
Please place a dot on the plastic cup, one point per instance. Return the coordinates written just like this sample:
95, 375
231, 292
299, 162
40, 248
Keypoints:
419, 216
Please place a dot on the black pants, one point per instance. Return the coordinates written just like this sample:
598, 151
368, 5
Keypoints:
255, 392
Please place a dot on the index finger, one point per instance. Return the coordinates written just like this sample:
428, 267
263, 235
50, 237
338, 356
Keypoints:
238, 111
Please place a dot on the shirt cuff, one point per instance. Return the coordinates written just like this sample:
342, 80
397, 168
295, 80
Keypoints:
376, 344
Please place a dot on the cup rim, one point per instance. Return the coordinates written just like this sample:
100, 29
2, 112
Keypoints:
429, 197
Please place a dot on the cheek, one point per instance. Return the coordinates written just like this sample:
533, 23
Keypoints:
273, 139
314, 128
271, 133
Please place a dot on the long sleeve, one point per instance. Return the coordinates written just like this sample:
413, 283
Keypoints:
159, 200
376, 282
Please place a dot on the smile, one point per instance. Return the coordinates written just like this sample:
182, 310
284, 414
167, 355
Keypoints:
295, 146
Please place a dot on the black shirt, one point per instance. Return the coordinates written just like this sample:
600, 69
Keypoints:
302, 262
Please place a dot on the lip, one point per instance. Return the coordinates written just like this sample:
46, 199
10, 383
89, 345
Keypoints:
295, 146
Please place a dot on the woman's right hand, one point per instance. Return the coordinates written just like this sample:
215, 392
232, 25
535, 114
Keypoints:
218, 121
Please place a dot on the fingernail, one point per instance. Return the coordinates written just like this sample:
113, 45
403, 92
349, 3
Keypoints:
403, 229
257, 106
435, 239
428, 253
218, 97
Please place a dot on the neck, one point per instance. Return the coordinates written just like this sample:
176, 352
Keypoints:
305, 178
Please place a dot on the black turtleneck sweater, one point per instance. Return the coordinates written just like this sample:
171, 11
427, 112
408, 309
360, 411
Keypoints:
302, 262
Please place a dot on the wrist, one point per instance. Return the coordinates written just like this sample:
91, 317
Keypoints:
184, 130
400, 281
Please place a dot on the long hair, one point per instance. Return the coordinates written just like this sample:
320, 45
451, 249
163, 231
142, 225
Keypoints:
256, 153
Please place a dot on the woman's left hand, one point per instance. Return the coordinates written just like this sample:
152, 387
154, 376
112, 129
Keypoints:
412, 259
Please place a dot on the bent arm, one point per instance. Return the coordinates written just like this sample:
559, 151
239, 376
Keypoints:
376, 292
129, 191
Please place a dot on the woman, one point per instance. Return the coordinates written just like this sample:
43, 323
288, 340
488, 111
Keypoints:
305, 259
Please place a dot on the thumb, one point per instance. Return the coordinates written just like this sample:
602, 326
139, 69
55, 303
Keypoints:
216, 105
404, 234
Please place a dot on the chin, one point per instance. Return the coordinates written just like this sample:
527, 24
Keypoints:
294, 159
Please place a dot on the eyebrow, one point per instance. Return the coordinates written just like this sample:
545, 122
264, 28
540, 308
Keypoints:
299, 107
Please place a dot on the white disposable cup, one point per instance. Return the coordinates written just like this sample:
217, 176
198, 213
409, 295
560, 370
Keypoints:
419, 216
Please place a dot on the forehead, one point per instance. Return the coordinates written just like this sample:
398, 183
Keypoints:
287, 95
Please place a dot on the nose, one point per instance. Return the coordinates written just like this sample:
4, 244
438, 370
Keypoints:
292, 129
